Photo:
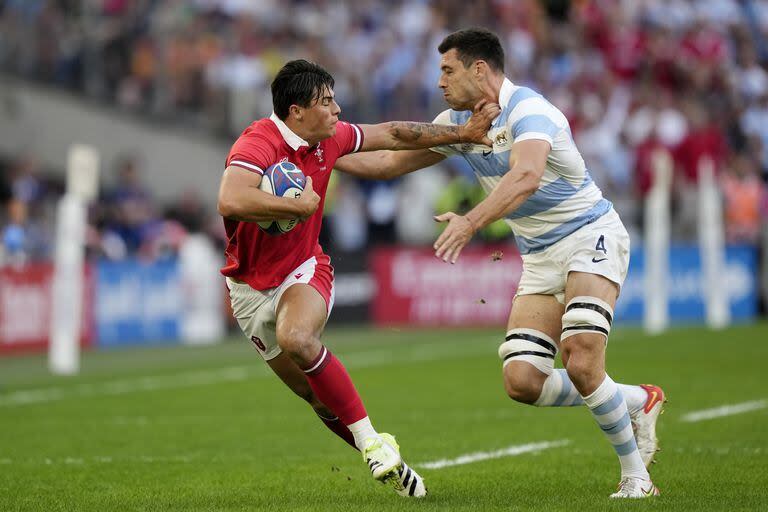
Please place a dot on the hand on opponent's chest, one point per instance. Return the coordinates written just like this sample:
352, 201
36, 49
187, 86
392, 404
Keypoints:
502, 142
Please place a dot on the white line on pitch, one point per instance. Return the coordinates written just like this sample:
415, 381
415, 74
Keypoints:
504, 452
101, 459
725, 410
362, 359
120, 387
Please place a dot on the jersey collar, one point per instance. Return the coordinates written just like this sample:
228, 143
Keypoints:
290, 138
505, 93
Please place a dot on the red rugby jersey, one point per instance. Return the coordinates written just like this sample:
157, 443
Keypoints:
253, 256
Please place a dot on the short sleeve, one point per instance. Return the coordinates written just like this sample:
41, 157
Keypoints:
253, 153
444, 118
535, 118
349, 138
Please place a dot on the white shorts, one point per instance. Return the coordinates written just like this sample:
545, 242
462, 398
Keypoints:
256, 310
601, 247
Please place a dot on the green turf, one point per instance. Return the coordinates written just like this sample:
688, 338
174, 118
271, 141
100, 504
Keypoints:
207, 428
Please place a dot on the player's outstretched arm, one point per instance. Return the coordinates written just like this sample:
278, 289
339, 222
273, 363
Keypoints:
410, 135
527, 162
386, 165
241, 199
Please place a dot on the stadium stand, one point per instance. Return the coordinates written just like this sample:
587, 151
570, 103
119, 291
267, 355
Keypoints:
680, 75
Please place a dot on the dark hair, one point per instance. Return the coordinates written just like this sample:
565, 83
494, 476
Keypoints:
299, 82
475, 44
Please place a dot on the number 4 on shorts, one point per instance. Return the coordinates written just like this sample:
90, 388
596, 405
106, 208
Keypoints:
601, 244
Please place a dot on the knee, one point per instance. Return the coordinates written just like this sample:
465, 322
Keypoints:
582, 355
528, 357
300, 344
520, 391
582, 372
521, 383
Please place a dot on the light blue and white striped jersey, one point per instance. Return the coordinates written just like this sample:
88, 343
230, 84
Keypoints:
567, 197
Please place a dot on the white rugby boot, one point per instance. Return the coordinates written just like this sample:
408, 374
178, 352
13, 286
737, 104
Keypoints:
634, 488
409, 483
644, 423
382, 454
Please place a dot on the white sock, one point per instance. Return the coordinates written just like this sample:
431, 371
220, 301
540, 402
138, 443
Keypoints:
362, 430
634, 395
609, 409
558, 391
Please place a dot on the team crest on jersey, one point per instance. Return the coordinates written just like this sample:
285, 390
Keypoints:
319, 154
501, 138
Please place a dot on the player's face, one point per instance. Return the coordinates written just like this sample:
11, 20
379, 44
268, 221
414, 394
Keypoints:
321, 116
459, 84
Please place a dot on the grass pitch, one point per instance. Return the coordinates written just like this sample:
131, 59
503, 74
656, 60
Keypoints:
209, 428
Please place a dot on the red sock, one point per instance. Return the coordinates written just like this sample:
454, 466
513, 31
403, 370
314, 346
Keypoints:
340, 429
331, 383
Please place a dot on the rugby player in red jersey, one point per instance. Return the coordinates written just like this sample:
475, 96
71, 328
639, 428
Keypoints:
281, 286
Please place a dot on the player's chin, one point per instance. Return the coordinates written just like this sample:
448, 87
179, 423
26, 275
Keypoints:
332, 130
455, 105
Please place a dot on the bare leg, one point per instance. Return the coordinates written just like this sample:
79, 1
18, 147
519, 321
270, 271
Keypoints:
523, 381
300, 319
295, 379
589, 304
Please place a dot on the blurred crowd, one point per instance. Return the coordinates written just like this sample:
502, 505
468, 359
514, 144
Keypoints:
632, 76
125, 221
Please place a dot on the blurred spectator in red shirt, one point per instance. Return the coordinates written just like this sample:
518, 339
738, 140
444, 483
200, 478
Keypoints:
644, 163
703, 54
662, 52
704, 139
624, 46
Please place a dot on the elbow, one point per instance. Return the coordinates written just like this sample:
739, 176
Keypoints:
226, 207
388, 170
385, 168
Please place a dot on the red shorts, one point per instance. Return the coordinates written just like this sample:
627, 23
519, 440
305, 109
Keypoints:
317, 272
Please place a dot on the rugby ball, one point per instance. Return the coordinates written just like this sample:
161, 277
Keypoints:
282, 179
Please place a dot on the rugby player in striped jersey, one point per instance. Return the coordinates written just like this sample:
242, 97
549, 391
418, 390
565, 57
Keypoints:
574, 246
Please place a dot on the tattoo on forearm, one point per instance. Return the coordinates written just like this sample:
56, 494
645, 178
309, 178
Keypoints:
406, 131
